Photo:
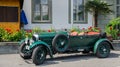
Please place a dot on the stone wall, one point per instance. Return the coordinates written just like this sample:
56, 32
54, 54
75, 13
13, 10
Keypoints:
9, 47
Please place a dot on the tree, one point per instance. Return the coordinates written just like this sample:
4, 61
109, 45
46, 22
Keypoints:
97, 7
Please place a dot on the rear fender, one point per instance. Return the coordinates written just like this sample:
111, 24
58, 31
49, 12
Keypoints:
99, 41
38, 43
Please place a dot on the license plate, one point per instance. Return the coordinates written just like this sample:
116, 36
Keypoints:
80, 49
27, 47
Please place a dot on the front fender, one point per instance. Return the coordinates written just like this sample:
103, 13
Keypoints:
37, 43
22, 41
99, 41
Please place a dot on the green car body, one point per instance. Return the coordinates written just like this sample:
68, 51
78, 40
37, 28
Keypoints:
62, 42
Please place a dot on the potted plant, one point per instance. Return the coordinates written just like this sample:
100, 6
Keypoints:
97, 7
113, 31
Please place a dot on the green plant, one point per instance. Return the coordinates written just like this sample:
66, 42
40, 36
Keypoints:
93, 29
75, 29
8, 35
51, 30
2, 32
16, 36
36, 30
97, 7
113, 28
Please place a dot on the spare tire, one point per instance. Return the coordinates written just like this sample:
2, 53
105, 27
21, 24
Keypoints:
60, 43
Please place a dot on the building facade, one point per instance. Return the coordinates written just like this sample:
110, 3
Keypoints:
10, 14
64, 14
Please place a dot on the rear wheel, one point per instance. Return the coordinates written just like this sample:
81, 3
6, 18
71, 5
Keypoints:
24, 52
39, 55
103, 50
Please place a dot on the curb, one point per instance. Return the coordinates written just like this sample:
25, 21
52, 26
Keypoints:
116, 45
9, 47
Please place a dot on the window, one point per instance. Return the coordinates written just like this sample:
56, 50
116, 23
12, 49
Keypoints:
8, 14
117, 8
41, 11
117, 13
78, 11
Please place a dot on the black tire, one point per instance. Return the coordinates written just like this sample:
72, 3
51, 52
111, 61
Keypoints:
24, 53
60, 43
103, 50
39, 55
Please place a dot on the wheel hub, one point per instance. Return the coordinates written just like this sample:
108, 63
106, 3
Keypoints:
104, 50
62, 43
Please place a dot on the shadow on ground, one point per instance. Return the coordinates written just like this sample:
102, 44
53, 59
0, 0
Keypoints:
71, 58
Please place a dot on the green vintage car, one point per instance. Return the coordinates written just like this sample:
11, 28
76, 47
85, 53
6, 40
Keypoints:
50, 43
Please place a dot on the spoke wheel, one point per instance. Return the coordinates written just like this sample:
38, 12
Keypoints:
103, 50
60, 43
24, 52
39, 55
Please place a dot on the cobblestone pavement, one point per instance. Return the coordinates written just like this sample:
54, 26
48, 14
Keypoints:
63, 60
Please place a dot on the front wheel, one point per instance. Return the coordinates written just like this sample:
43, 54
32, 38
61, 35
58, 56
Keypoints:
24, 52
103, 50
39, 55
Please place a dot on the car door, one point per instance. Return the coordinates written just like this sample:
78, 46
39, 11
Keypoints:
76, 41
82, 41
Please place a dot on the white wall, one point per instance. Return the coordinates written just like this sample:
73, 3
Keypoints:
60, 16
89, 19
27, 7
103, 20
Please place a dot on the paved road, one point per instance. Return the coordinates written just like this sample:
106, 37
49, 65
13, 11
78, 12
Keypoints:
63, 60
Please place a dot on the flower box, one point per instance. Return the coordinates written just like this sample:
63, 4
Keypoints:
116, 44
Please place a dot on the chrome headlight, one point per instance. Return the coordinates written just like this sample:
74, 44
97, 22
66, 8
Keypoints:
26, 41
35, 37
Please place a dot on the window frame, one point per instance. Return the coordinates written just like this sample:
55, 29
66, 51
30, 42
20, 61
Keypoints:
117, 5
85, 15
7, 11
49, 13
